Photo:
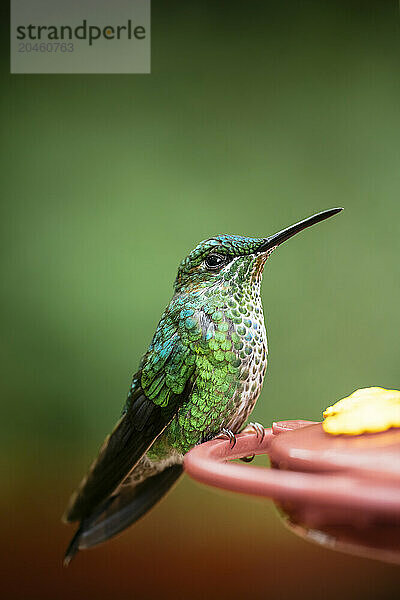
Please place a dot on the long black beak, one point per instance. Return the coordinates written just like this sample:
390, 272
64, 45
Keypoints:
285, 234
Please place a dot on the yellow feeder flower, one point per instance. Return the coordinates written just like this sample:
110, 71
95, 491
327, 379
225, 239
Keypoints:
368, 410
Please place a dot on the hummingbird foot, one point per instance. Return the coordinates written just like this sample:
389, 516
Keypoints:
256, 428
247, 459
227, 433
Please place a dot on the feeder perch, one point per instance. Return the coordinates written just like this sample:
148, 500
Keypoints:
340, 491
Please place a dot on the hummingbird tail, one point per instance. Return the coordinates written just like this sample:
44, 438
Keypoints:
73, 548
121, 510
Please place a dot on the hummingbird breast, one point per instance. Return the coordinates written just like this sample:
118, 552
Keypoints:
253, 366
227, 341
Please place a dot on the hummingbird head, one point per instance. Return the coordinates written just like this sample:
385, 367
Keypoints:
224, 259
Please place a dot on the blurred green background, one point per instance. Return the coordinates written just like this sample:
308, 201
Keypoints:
255, 115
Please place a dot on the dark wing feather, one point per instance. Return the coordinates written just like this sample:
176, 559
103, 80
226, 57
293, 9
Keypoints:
119, 511
160, 387
141, 424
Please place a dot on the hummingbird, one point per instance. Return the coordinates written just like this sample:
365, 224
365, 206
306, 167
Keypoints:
200, 378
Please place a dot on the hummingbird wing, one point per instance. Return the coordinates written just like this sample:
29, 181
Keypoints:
156, 394
119, 511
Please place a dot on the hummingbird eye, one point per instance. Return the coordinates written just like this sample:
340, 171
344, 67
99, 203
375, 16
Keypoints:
215, 261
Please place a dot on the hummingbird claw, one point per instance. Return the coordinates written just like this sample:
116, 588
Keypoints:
227, 433
205, 437
257, 428
247, 459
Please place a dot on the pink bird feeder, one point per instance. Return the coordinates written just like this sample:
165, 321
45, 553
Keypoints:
340, 491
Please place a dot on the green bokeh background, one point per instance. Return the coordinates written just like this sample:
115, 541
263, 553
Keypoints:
255, 115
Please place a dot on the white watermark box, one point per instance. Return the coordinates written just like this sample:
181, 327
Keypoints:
80, 36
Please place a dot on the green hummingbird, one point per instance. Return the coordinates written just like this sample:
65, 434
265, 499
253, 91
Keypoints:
200, 378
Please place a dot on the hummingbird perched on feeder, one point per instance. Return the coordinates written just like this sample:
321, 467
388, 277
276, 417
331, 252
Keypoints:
199, 378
